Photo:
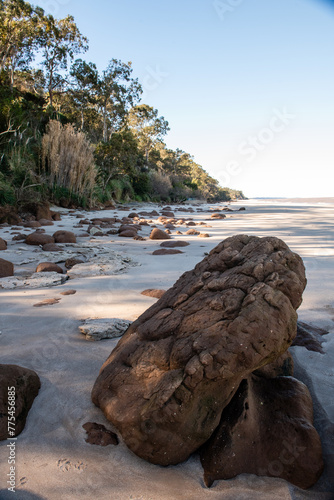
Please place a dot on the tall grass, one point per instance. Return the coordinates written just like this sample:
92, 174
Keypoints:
68, 158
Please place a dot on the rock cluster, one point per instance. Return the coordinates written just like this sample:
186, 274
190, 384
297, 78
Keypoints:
200, 367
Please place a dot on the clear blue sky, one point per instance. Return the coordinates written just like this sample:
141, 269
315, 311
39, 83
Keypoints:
246, 85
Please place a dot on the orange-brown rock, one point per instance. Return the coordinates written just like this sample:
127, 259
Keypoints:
38, 238
159, 234
6, 268
167, 382
64, 237
3, 244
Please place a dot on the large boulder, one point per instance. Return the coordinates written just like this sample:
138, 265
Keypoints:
266, 430
6, 268
167, 382
26, 385
8, 215
159, 234
39, 209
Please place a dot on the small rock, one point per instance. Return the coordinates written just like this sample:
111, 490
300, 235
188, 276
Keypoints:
64, 237
72, 262
6, 268
47, 302
99, 435
3, 244
166, 251
52, 247
48, 267
68, 292
174, 243
159, 234
37, 238
98, 329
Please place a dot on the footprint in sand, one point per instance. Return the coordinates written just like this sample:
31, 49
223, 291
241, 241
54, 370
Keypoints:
66, 465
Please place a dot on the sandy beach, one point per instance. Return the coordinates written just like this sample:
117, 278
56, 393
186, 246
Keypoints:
53, 460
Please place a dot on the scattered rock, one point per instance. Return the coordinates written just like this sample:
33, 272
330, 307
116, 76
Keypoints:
55, 216
128, 233
27, 384
231, 315
204, 235
48, 267
6, 268
133, 215
46, 222
52, 247
38, 238
19, 237
99, 435
152, 292
166, 251
159, 234
174, 243
3, 244
47, 302
98, 329
32, 223
241, 209
68, 292
64, 237
266, 430
73, 261
192, 232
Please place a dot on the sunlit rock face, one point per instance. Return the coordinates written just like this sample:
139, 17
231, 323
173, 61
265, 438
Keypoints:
167, 382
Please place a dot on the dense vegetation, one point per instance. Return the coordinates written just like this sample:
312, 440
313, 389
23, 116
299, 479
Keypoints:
76, 136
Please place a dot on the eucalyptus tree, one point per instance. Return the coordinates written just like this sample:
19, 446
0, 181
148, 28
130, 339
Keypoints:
20, 27
83, 88
148, 127
116, 93
61, 41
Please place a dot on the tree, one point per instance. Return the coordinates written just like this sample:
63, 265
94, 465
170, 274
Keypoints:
149, 128
83, 87
60, 42
116, 93
19, 28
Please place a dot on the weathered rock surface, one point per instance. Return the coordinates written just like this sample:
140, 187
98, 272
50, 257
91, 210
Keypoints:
99, 435
266, 430
105, 328
27, 384
6, 268
165, 385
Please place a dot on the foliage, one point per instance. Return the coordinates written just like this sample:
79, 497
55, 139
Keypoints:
76, 135
69, 159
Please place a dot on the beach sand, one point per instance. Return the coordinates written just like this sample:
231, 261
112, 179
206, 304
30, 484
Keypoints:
53, 460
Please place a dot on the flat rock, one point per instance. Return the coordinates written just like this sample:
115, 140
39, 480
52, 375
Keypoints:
27, 384
166, 251
105, 328
174, 243
68, 292
113, 263
47, 302
36, 280
167, 382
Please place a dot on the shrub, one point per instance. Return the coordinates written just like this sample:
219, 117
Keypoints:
161, 185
